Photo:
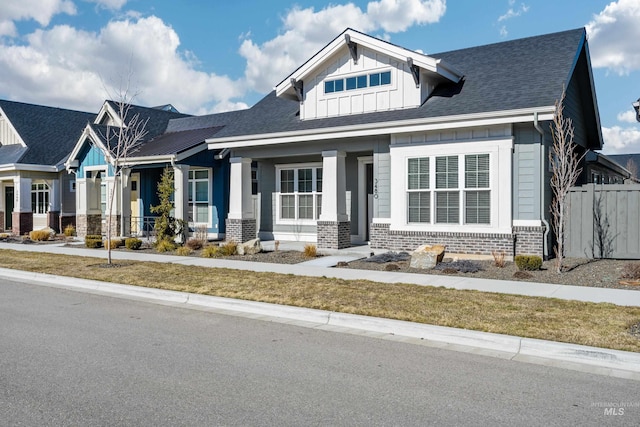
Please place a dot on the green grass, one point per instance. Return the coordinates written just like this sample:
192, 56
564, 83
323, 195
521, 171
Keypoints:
600, 325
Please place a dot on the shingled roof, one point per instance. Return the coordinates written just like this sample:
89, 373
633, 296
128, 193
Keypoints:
49, 133
518, 74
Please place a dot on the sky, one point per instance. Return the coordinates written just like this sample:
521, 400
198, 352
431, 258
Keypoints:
205, 56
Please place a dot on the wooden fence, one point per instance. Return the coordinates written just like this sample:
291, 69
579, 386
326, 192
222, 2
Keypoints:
604, 221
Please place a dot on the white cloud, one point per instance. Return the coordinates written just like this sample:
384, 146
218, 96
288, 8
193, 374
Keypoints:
305, 31
109, 4
627, 116
619, 140
512, 13
66, 67
38, 10
614, 36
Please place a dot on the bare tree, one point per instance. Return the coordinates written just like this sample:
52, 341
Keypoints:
632, 167
565, 167
121, 140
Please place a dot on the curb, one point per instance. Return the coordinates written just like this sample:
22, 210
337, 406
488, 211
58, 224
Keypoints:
596, 360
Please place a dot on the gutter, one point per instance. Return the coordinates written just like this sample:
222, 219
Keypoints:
545, 249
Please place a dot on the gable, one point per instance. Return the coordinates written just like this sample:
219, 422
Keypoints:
8, 135
356, 73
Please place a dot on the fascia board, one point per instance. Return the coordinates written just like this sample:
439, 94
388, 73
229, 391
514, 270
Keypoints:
27, 167
107, 109
90, 134
372, 129
148, 160
13, 129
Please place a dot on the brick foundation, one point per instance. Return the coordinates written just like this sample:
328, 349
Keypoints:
88, 224
334, 234
67, 220
529, 240
22, 222
381, 237
240, 230
53, 221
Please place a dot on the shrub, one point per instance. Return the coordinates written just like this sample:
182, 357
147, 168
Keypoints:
498, 259
229, 248
165, 245
310, 251
69, 231
194, 244
528, 262
184, 251
116, 243
133, 243
93, 241
211, 251
631, 271
39, 235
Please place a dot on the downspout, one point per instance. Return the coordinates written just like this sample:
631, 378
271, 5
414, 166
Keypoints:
536, 125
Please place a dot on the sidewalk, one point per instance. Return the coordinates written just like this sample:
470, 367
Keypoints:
587, 294
561, 355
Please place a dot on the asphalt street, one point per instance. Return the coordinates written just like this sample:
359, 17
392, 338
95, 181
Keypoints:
74, 358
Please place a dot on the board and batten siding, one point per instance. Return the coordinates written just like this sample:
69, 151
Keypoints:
604, 213
7, 135
401, 93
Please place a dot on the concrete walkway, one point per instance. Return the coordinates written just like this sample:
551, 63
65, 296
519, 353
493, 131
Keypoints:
568, 356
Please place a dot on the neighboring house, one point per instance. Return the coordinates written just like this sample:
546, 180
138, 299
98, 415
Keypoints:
631, 162
173, 140
35, 189
602, 169
369, 141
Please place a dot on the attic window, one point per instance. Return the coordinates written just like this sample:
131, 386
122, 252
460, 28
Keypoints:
358, 82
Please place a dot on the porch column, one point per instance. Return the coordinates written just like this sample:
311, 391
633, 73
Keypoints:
181, 192
53, 213
3, 208
22, 215
125, 202
334, 227
112, 189
241, 220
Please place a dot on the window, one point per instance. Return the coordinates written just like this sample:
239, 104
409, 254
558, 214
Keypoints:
357, 82
419, 200
447, 202
199, 196
444, 191
477, 202
72, 186
39, 198
300, 193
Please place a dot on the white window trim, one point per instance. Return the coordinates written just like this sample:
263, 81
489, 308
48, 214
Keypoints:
500, 158
209, 197
47, 190
278, 194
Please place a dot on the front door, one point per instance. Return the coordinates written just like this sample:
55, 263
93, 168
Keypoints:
8, 211
369, 177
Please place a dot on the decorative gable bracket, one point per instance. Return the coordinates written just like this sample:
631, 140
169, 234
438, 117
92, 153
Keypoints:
353, 48
297, 86
415, 71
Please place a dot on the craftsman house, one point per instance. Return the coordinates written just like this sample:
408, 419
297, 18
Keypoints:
35, 189
369, 141
172, 140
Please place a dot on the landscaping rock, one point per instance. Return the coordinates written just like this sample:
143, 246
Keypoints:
427, 256
250, 247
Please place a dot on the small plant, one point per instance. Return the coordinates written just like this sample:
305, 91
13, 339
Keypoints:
276, 245
631, 271
132, 243
4, 236
93, 241
528, 262
522, 275
201, 233
229, 248
498, 259
211, 251
116, 243
194, 244
39, 235
310, 251
184, 251
69, 231
165, 245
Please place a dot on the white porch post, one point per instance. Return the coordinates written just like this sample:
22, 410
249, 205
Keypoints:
22, 216
125, 201
334, 186
241, 221
181, 191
